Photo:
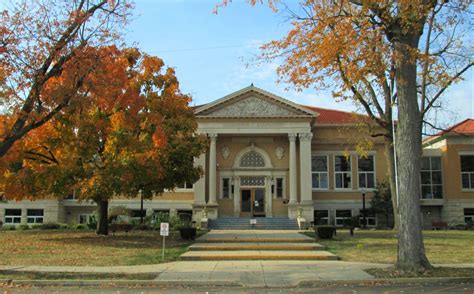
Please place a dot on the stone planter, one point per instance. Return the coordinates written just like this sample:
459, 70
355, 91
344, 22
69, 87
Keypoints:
325, 232
188, 233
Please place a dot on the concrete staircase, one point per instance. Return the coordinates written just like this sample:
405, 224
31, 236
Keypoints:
243, 223
256, 245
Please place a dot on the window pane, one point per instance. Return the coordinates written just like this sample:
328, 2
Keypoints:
319, 163
425, 178
366, 164
438, 192
371, 180
13, 212
34, 212
225, 187
437, 177
472, 181
343, 213
323, 181
315, 180
321, 213
347, 180
189, 185
467, 163
425, 163
338, 180
468, 211
426, 192
362, 181
435, 163
279, 183
465, 181
342, 163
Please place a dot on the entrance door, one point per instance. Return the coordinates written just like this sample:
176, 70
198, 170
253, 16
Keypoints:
252, 202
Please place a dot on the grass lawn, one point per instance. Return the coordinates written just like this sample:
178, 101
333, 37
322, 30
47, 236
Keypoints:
381, 246
81, 248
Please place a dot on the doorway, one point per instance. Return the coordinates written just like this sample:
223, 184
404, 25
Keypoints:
252, 202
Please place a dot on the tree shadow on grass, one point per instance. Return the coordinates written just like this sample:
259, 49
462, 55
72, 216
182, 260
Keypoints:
130, 241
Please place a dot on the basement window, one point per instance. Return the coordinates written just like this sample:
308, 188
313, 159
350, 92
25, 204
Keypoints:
12, 216
34, 216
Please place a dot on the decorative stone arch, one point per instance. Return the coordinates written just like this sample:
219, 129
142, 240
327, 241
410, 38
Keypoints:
252, 151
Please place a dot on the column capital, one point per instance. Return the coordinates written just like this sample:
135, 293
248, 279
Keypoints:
292, 137
305, 136
212, 136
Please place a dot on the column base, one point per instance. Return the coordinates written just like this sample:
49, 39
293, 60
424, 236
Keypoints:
306, 208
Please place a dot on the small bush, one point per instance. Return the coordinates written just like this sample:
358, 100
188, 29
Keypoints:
63, 226
35, 226
116, 212
325, 232
8, 228
92, 222
142, 227
80, 227
50, 226
23, 227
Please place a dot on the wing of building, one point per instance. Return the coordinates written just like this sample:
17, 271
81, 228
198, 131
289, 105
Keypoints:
269, 157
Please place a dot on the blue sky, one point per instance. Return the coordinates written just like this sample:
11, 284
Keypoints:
211, 52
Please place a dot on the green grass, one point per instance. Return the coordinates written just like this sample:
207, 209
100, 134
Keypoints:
437, 272
8, 275
381, 246
85, 248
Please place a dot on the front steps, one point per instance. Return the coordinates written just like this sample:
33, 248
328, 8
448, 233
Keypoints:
256, 245
243, 223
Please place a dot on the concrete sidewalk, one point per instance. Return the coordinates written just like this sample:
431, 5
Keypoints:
263, 273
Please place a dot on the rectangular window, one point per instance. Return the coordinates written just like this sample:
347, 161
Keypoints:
342, 172
469, 215
343, 217
321, 217
319, 170
84, 218
366, 172
185, 185
34, 216
467, 171
431, 178
12, 216
279, 187
135, 214
226, 188
370, 217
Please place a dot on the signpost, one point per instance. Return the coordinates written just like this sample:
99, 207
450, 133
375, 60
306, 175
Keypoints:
253, 222
164, 231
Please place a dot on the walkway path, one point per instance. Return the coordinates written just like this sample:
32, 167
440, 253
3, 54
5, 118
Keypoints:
268, 273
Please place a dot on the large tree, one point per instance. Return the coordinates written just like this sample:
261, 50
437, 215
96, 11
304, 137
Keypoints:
382, 54
45, 40
131, 131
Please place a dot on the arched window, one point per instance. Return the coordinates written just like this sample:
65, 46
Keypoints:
252, 159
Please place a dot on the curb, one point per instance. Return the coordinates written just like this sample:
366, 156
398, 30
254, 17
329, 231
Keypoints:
302, 284
91, 283
399, 281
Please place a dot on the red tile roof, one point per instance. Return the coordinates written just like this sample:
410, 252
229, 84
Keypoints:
332, 116
466, 127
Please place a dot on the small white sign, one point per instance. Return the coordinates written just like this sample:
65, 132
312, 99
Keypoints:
253, 221
164, 229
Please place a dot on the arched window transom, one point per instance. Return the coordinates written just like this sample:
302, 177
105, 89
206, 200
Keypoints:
252, 159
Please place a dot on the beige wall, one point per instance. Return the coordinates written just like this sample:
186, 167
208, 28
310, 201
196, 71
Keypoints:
452, 171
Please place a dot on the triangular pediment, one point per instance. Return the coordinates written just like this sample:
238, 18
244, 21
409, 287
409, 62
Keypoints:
252, 102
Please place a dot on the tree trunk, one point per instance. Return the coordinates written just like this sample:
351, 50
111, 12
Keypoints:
411, 250
390, 159
103, 223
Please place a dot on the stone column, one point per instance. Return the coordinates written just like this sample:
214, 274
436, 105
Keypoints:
212, 169
305, 168
293, 187
268, 196
200, 185
306, 196
236, 195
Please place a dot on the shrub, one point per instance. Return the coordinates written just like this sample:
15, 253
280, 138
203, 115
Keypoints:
141, 227
23, 227
1, 223
116, 212
325, 232
35, 226
92, 222
63, 226
8, 228
80, 227
50, 226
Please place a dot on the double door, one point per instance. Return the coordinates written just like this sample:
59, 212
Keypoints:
252, 202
